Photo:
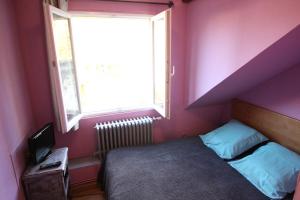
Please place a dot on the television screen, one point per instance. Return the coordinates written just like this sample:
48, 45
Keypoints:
41, 143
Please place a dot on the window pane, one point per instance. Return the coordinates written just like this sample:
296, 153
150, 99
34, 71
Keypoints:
66, 65
113, 56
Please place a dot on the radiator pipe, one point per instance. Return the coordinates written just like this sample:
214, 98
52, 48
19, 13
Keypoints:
156, 118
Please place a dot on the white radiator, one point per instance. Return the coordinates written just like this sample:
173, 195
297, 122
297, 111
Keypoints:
123, 133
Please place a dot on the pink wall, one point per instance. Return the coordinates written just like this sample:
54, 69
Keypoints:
82, 142
8, 183
98, 6
280, 94
277, 58
224, 35
16, 120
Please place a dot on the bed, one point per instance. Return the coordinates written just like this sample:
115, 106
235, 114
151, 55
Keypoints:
187, 169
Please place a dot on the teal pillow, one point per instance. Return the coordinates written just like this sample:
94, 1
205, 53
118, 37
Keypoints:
232, 139
272, 169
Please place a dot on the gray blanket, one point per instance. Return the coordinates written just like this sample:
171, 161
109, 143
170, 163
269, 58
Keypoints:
179, 170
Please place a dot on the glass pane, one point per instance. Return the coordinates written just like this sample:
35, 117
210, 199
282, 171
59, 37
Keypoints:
159, 62
114, 62
64, 54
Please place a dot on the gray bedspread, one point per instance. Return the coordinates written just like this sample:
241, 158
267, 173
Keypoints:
179, 170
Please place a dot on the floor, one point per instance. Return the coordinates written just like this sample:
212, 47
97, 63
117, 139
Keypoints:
87, 191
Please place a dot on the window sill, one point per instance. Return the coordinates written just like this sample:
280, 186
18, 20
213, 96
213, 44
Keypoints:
149, 110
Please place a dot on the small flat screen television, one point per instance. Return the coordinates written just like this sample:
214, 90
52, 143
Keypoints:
41, 143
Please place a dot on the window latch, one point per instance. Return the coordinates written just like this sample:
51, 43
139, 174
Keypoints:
173, 71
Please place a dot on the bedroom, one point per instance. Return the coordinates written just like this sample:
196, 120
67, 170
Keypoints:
221, 50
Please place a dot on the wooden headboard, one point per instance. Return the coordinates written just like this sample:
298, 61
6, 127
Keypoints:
277, 127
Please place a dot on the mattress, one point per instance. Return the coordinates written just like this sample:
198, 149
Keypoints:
184, 169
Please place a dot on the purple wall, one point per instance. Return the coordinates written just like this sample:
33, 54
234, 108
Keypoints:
280, 94
82, 143
277, 58
8, 184
224, 35
16, 120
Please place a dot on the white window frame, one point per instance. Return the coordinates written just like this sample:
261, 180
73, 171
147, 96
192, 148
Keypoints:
56, 84
166, 16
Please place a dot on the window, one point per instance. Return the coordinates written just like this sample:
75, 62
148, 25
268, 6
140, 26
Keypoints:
116, 71
106, 63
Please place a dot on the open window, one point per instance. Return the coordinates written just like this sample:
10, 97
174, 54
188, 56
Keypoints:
161, 62
70, 93
62, 68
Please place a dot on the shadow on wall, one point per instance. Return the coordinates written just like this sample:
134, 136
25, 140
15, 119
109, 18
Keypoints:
280, 94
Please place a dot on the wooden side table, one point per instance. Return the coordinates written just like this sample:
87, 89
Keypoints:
48, 184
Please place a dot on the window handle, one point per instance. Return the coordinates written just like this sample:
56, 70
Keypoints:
173, 71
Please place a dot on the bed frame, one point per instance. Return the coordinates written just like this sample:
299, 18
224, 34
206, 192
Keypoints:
277, 127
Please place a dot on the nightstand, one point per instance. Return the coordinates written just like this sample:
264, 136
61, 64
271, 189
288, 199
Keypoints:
48, 184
